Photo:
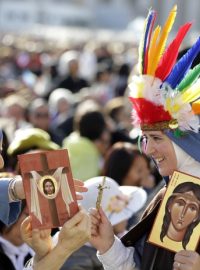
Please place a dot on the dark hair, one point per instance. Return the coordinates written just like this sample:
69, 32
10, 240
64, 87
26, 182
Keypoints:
44, 183
119, 160
182, 188
92, 125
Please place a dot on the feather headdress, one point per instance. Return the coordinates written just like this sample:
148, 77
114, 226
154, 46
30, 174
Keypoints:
166, 93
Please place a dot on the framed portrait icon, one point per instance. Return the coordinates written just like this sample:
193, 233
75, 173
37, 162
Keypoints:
49, 187
177, 224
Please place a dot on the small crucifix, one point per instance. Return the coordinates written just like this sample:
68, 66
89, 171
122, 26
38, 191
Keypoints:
100, 187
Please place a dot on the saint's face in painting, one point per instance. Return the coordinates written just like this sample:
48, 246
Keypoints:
48, 187
182, 213
184, 210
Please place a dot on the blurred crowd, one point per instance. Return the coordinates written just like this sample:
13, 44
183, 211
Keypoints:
72, 97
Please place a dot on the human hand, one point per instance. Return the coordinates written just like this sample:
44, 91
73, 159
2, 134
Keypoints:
39, 240
75, 232
102, 231
79, 187
186, 260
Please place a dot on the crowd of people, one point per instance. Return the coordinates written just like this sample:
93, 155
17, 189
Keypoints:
76, 98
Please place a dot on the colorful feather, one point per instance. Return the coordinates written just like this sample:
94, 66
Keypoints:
141, 46
190, 78
196, 107
147, 39
152, 48
192, 93
169, 57
163, 38
182, 66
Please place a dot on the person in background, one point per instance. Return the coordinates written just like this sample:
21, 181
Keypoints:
89, 142
14, 253
30, 139
69, 68
14, 108
127, 165
39, 117
61, 108
118, 113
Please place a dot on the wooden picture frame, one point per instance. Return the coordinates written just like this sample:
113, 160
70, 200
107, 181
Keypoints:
177, 224
49, 187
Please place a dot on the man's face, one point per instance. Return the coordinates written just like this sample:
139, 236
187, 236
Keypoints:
160, 148
103, 143
184, 210
49, 188
40, 118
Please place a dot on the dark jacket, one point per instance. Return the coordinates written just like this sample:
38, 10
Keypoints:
5, 262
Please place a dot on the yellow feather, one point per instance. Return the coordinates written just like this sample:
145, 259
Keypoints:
152, 49
163, 37
141, 48
191, 93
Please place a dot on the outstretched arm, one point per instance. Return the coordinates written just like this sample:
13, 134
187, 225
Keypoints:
74, 234
39, 240
111, 252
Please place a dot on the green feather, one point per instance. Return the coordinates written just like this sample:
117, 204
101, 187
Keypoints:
178, 133
190, 78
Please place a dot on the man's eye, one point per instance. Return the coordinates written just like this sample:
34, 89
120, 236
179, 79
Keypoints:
156, 138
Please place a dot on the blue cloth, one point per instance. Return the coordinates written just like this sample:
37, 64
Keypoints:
189, 142
9, 212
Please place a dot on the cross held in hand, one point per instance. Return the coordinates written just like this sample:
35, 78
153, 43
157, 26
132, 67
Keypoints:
100, 187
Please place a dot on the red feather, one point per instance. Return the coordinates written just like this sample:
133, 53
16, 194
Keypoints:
149, 113
168, 59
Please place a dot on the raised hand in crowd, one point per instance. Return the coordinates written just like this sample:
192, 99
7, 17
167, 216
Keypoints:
72, 236
102, 234
39, 240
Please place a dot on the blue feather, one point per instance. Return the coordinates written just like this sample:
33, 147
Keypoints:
150, 20
183, 65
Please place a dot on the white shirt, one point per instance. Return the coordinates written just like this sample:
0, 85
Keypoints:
118, 257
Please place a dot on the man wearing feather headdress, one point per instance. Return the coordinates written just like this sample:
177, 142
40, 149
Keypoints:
166, 101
